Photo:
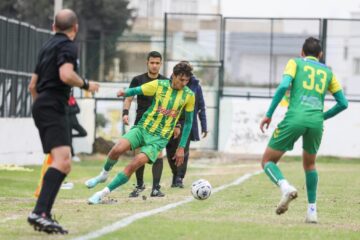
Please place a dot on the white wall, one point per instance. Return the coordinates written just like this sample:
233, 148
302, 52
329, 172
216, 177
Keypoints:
240, 133
20, 141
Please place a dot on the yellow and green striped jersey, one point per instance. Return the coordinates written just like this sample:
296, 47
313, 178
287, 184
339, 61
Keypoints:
167, 105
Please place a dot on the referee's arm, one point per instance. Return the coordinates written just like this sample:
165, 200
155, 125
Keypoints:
70, 77
32, 86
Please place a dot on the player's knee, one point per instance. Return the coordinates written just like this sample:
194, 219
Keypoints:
129, 170
132, 167
66, 166
264, 161
115, 151
308, 166
63, 166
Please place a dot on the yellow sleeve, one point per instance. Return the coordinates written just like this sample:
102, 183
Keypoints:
149, 89
290, 68
334, 85
190, 105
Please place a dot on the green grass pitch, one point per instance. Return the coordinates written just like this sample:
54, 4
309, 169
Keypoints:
245, 211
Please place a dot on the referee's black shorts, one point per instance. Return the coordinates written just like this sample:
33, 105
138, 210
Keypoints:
51, 118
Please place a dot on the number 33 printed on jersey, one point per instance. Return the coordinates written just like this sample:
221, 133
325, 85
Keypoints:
313, 75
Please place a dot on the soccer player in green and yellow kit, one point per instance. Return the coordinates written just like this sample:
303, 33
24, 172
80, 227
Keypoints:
310, 80
155, 128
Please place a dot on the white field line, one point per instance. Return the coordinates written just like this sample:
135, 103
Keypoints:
128, 220
15, 217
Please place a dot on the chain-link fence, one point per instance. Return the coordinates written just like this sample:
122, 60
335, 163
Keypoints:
19, 46
256, 51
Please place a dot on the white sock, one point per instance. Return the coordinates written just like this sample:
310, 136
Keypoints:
311, 207
105, 192
104, 174
284, 185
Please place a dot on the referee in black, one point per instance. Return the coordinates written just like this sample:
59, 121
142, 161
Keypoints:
50, 86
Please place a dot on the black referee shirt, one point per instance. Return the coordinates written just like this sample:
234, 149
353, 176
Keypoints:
55, 52
143, 102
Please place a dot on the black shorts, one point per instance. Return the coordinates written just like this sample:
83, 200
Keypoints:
50, 114
137, 119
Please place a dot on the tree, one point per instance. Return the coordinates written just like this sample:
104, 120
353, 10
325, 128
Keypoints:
102, 22
38, 13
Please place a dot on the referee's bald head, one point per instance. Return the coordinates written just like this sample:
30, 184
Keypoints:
65, 20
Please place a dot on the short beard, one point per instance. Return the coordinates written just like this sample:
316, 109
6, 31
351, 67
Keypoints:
153, 73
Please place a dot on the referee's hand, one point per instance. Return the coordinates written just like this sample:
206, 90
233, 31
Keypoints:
93, 87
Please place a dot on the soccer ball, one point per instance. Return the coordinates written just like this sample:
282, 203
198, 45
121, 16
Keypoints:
201, 189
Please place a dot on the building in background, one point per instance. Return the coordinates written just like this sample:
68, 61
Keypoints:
147, 34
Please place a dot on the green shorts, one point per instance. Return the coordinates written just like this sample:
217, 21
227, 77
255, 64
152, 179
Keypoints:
149, 144
286, 134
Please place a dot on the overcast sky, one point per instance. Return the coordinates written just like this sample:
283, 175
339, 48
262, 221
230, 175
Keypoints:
290, 8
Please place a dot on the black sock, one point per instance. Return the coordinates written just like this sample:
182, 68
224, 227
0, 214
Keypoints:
51, 185
60, 180
173, 180
140, 175
157, 171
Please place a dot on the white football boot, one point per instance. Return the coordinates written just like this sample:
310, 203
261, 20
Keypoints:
91, 183
98, 196
311, 215
287, 196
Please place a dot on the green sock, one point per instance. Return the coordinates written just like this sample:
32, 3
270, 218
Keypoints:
109, 164
119, 180
273, 172
311, 185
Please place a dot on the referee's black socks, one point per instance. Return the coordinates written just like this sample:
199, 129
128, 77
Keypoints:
52, 181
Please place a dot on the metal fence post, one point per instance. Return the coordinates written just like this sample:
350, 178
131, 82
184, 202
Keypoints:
323, 38
165, 44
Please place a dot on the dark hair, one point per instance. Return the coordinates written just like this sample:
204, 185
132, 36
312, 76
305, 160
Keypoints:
312, 47
154, 54
65, 20
182, 68
188, 63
